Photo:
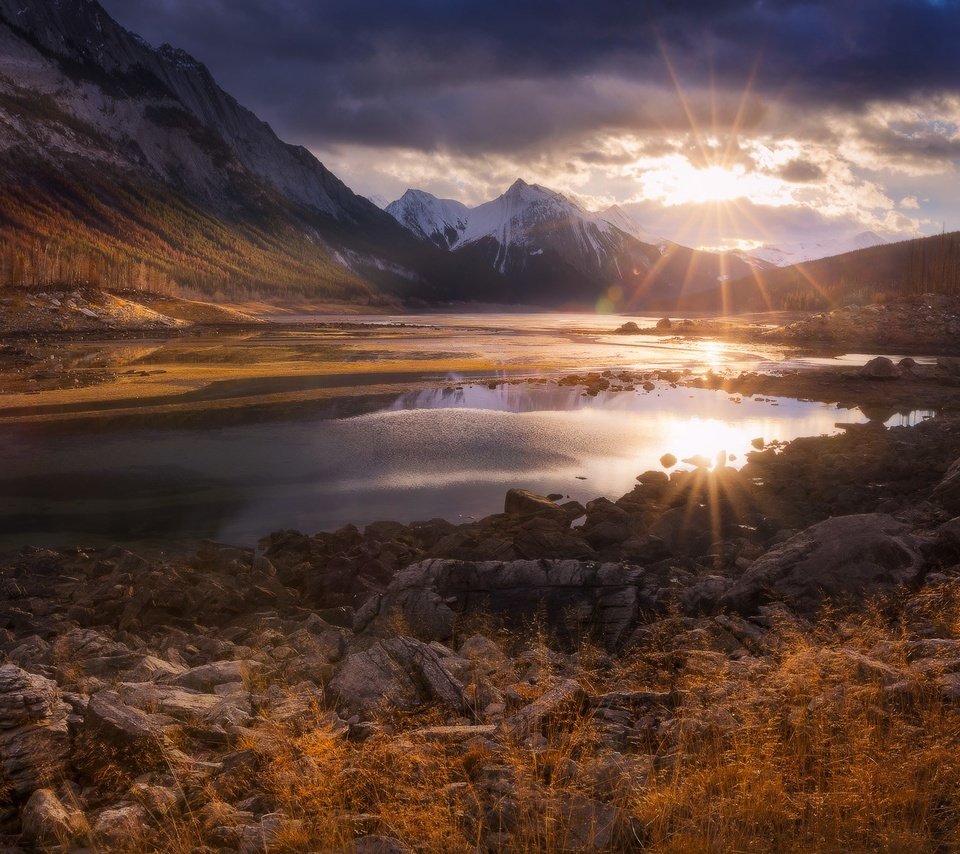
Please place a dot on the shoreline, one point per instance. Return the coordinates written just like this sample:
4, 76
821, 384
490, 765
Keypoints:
232, 695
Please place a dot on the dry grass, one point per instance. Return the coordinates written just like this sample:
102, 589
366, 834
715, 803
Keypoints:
804, 748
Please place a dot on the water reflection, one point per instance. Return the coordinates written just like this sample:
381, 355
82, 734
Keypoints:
448, 452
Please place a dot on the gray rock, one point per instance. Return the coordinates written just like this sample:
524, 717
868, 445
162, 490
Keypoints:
187, 705
371, 680
206, 677
603, 598
399, 673
842, 557
33, 731
947, 492
124, 730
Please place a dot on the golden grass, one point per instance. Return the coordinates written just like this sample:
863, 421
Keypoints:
806, 748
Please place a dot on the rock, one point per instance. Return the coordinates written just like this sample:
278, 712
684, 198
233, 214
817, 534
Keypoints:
668, 461
122, 827
948, 534
400, 673
207, 676
371, 680
590, 825
45, 821
947, 492
273, 833
33, 731
841, 557
628, 328
186, 705
687, 530
565, 697
124, 731
407, 610
605, 776
574, 596
664, 323
950, 364
487, 658
522, 502
158, 801
374, 844
880, 368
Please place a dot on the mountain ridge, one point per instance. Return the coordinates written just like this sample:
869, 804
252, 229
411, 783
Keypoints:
91, 117
557, 249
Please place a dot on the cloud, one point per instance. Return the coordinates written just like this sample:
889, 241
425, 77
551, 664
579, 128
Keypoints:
801, 171
416, 73
784, 105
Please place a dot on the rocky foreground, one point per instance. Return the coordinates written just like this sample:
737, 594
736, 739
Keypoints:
766, 659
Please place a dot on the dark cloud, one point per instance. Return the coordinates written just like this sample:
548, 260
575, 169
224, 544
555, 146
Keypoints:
800, 172
478, 75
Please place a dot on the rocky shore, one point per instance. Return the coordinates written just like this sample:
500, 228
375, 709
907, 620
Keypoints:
918, 324
556, 677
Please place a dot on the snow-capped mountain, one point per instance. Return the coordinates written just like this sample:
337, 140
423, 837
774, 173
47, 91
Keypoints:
548, 244
783, 255
441, 221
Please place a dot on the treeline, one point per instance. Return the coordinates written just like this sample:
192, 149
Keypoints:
929, 265
113, 231
35, 266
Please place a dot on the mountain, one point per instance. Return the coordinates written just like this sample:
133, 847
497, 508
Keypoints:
921, 266
124, 163
441, 221
546, 249
784, 255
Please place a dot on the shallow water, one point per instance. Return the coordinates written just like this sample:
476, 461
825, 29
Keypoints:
450, 452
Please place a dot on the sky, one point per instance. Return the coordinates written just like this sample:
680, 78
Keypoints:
717, 123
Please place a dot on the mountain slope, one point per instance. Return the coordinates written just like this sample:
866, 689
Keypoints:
926, 265
114, 154
546, 249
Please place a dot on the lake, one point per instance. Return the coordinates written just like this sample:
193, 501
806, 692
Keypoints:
433, 443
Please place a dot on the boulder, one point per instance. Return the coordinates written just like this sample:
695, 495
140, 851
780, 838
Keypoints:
33, 731
187, 705
399, 673
574, 596
880, 368
122, 827
844, 557
628, 328
522, 502
664, 323
947, 492
688, 530
46, 822
124, 731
